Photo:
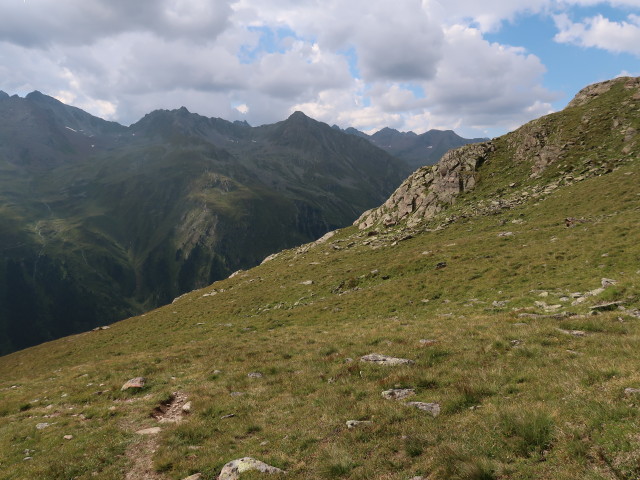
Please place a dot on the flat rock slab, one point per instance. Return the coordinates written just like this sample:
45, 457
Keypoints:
379, 359
233, 469
195, 476
354, 423
432, 408
149, 431
398, 393
137, 382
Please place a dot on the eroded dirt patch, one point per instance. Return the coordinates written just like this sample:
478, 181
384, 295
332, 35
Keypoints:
173, 409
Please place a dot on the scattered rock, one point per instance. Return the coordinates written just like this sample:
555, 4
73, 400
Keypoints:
506, 234
608, 282
149, 431
42, 426
432, 408
137, 382
172, 410
307, 282
605, 307
195, 476
230, 415
104, 327
499, 303
68, 437
631, 391
575, 333
354, 423
425, 342
232, 469
379, 359
398, 393
441, 265
254, 375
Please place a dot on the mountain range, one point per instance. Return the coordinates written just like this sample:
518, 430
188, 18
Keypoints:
100, 221
481, 323
417, 150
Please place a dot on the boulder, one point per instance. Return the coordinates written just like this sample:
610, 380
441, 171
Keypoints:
137, 382
233, 469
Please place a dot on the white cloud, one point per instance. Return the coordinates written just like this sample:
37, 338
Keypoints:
415, 64
600, 32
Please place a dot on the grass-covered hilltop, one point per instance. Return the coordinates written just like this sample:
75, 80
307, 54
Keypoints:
504, 283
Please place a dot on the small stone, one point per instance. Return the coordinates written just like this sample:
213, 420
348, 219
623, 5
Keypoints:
425, 342
506, 234
499, 303
432, 408
231, 415
137, 382
149, 431
398, 393
42, 426
254, 375
186, 408
608, 282
631, 391
379, 359
575, 333
307, 282
195, 476
232, 470
27, 459
441, 265
354, 423
543, 294
68, 437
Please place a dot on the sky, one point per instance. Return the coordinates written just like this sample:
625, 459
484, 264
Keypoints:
478, 68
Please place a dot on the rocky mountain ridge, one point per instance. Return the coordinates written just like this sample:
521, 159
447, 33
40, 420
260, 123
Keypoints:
540, 146
417, 150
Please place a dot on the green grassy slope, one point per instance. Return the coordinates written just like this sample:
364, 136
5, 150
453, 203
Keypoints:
530, 380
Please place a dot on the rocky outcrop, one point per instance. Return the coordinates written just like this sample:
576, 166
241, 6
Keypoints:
592, 91
430, 189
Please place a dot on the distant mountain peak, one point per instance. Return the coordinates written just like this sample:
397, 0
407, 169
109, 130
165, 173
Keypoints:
3, 94
297, 114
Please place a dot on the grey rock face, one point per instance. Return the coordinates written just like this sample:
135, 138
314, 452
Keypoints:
430, 189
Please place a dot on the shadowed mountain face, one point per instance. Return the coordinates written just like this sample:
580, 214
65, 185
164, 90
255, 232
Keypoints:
417, 150
99, 221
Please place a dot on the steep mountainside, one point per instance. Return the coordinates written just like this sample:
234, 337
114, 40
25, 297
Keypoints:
99, 221
417, 150
482, 324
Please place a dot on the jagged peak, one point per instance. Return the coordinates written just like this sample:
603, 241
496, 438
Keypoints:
3, 94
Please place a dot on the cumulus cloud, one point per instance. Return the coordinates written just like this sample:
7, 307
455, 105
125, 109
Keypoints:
416, 65
601, 32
